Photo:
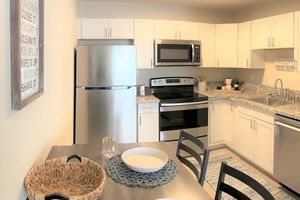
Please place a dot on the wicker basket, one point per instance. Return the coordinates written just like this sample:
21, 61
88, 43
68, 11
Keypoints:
62, 179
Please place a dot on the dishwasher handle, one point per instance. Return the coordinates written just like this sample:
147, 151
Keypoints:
287, 126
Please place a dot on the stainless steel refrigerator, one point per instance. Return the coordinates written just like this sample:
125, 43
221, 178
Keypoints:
105, 96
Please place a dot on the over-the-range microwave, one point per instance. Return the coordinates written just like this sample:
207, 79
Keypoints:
177, 53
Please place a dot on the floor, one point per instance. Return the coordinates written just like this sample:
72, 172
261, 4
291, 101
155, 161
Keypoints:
211, 191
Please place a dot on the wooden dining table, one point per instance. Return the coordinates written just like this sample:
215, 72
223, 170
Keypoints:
183, 187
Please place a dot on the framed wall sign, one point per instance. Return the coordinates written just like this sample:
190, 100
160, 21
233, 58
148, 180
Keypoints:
27, 51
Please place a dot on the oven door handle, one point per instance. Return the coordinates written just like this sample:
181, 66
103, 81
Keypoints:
183, 104
168, 107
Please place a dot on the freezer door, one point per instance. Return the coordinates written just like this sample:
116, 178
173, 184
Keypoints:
102, 113
105, 66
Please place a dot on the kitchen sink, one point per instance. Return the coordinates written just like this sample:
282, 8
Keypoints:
271, 101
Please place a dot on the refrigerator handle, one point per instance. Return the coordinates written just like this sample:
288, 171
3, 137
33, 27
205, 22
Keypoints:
106, 88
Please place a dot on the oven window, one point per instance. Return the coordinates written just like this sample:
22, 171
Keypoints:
174, 53
184, 119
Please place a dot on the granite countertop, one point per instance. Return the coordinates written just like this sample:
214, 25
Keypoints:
147, 99
290, 110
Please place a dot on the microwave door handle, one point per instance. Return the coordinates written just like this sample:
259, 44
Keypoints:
193, 53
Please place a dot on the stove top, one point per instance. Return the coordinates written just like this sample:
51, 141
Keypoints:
175, 90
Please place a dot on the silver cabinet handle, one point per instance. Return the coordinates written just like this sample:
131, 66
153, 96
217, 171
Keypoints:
273, 42
105, 32
251, 123
140, 120
255, 124
269, 42
180, 34
287, 126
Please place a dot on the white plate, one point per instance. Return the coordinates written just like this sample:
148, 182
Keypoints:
145, 159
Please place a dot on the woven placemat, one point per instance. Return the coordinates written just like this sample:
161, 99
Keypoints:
119, 172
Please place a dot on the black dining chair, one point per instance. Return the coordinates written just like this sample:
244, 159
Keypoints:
200, 174
223, 187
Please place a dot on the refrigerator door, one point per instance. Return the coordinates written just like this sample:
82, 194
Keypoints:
102, 113
106, 66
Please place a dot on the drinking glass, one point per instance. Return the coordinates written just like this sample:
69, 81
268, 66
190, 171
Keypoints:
108, 146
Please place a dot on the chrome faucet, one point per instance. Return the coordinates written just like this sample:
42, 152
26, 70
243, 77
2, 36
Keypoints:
281, 85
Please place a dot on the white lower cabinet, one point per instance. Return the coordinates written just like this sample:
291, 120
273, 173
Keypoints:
216, 116
148, 126
248, 131
245, 135
255, 136
264, 144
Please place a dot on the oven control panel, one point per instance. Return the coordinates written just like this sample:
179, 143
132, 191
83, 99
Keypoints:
174, 81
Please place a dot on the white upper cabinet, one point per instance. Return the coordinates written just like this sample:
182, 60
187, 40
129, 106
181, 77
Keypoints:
165, 29
283, 31
261, 33
207, 36
188, 31
244, 45
143, 39
176, 30
79, 24
273, 32
121, 29
226, 45
297, 40
94, 28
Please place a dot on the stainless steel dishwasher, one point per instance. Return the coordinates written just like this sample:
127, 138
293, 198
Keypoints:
287, 152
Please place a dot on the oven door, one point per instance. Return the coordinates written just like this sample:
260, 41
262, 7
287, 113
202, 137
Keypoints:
177, 116
168, 53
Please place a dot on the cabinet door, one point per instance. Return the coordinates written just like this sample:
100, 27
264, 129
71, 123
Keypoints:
94, 28
79, 28
165, 29
226, 45
121, 29
188, 31
216, 122
143, 39
297, 40
148, 127
245, 135
261, 33
207, 33
244, 45
228, 120
264, 144
283, 31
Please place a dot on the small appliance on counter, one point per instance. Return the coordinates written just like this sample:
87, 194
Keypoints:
201, 83
228, 83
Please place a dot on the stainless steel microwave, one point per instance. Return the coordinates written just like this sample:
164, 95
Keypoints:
177, 53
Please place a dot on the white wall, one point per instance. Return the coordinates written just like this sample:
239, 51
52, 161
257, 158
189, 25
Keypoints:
93, 9
26, 136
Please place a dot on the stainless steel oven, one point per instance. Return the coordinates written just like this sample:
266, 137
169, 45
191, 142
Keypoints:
180, 109
177, 53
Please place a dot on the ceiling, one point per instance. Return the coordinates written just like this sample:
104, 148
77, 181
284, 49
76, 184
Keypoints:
226, 5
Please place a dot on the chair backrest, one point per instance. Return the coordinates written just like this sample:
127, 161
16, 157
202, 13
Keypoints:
192, 152
223, 187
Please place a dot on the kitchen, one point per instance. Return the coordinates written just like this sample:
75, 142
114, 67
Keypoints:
29, 143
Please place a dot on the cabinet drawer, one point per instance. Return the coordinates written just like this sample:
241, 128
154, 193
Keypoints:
256, 113
148, 108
